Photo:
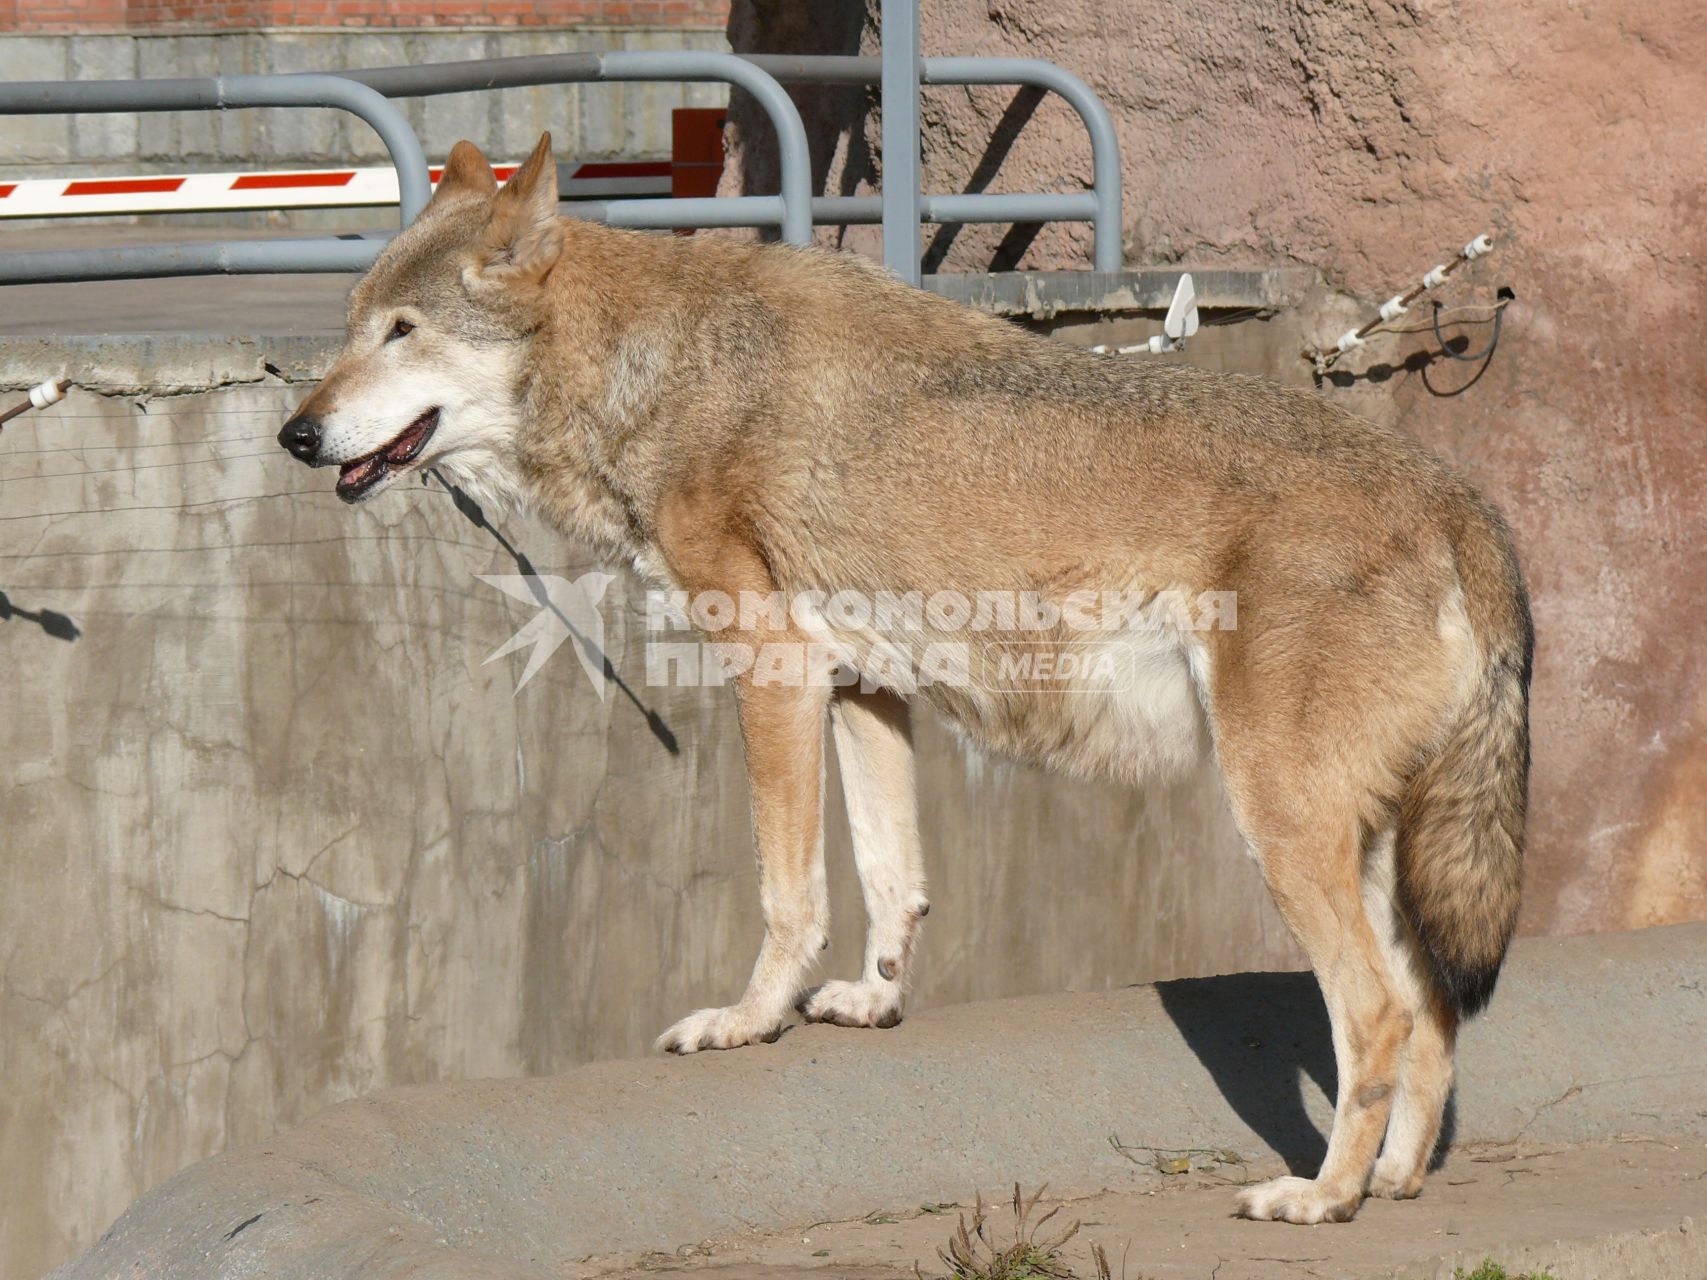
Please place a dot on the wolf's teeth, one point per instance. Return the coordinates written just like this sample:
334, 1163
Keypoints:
356, 475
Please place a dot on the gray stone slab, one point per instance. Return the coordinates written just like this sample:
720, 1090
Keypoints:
24, 139
302, 135
521, 115
526, 1177
447, 120
106, 137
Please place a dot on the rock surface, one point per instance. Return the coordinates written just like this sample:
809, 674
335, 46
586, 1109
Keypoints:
1588, 1038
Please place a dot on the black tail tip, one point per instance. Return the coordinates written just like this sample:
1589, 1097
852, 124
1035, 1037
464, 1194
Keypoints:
1468, 988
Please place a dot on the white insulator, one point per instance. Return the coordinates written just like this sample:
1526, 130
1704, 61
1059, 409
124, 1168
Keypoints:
1477, 247
1348, 340
1394, 307
1434, 279
50, 392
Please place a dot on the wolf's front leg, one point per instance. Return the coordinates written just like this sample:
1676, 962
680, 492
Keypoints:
874, 750
783, 729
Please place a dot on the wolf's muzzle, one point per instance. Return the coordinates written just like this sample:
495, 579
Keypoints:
301, 437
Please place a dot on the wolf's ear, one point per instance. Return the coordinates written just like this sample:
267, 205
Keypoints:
525, 235
467, 172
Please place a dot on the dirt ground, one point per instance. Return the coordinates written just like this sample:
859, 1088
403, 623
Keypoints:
1632, 1207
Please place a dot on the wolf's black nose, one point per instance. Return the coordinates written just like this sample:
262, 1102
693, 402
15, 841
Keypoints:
301, 435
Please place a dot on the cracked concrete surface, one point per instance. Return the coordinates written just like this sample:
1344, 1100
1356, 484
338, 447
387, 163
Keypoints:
719, 1161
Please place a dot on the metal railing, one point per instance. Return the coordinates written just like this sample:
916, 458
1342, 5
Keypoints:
1100, 206
217, 93
901, 206
763, 77
367, 94
790, 212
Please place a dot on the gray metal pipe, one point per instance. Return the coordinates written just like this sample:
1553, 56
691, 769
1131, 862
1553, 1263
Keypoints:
1020, 206
1034, 72
977, 206
426, 80
214, 258
900, 121
807, 68
795, 218
695, 211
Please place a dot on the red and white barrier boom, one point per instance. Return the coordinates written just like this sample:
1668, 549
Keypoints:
290, 189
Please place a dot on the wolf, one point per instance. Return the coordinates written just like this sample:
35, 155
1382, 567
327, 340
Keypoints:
741, 420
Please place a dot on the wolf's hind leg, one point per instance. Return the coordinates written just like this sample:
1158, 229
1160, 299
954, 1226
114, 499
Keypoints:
1315, 881
783, 730
1425, 1065
874, 749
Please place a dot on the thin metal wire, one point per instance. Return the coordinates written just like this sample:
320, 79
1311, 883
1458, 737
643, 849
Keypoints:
201, 548
1448, 315
278, 454
164, 506
152, 444
1470, 356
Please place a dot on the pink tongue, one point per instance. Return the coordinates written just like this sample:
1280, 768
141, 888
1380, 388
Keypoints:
356, 473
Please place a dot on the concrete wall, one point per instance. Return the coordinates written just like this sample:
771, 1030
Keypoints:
274, 834
1361, 143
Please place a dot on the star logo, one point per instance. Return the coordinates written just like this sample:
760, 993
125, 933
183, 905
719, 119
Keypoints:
567, 611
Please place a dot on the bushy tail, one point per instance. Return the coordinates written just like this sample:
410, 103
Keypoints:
1459, 848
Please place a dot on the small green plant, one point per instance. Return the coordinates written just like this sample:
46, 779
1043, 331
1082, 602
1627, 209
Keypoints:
1491, 1270
973, 1254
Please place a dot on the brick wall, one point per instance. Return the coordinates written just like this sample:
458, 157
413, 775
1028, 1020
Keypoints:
132, 15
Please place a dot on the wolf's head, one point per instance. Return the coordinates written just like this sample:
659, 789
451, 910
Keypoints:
432, 370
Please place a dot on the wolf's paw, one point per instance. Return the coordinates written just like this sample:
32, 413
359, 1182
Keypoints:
720, 1029
854, 1004
1300, 1200
1392, 1184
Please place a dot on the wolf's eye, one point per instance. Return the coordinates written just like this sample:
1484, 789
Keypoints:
400, 329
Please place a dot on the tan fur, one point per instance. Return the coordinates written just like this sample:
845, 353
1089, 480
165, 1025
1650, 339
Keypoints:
734, 417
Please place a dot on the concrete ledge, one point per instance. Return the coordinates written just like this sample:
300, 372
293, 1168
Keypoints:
1043, 295
1587, 1038
162, 364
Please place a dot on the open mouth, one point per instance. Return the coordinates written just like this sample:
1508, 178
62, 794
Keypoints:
357, 479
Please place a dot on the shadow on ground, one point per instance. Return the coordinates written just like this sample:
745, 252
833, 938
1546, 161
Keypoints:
1259, 1035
